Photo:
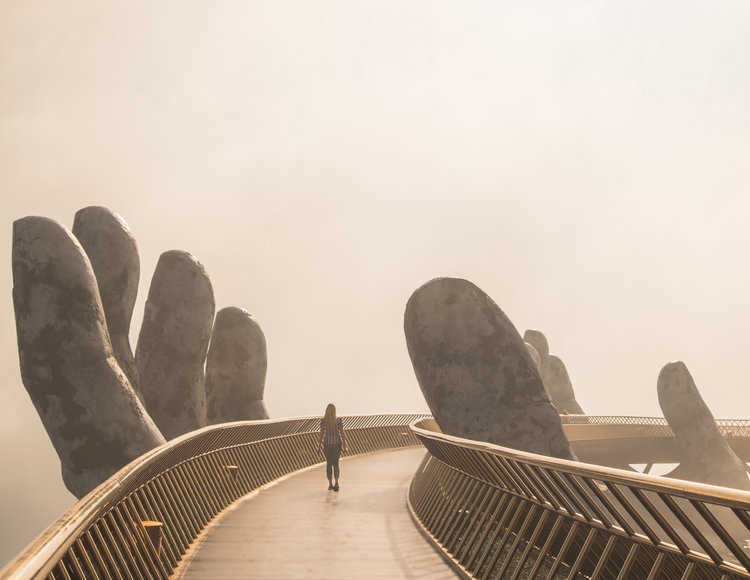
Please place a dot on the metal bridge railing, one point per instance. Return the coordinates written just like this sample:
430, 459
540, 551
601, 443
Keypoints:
727, 427
139, 523
502, 513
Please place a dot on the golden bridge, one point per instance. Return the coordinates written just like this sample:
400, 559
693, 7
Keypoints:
247, 500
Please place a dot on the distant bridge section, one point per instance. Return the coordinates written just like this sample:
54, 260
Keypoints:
622, 440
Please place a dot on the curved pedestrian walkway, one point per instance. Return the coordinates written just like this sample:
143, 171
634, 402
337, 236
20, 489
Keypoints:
298, 529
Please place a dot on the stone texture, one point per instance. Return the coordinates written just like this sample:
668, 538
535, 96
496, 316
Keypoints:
534, 353
172, 345
706, 456
475, 371
235, 368
559, 387
537, 339
554, 374
93, 416
113, 254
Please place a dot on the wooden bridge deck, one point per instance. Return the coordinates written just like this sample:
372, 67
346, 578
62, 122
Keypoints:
298, 529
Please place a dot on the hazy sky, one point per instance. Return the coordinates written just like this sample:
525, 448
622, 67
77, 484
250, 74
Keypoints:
585, 163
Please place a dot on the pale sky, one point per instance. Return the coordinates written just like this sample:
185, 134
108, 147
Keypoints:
584, 163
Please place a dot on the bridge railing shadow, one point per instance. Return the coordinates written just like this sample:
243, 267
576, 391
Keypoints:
141, 521
501, 513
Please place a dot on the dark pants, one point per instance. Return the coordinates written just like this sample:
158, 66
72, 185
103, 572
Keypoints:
332, 453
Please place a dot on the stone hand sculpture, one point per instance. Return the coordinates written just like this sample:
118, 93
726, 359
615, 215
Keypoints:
554, 374
113, 254
74, 298
173, 342
706, 456
93, 416
235, 368
475, 371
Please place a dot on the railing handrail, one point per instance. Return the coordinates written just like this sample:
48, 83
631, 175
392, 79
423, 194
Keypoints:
51, 541
560, 485
656, 483
644, 420
59, 535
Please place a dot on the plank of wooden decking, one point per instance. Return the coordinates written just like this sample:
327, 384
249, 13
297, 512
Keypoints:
298, 529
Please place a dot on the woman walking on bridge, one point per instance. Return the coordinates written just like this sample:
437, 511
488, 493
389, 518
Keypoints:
332, 441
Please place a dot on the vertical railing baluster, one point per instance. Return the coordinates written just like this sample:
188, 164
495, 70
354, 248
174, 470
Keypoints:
691, 528
560, 558
547, 545
582, 554
656, 567
114, 559
604, 558
472, 527
628, 563
530, 514
102, 565
472, 502
149, 511
512, 507
530, 544
499, 501
721, 531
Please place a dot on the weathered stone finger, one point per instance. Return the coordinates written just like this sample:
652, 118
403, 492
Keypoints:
90, 411
534, 353
537, 339
706, 456
476, 373
559, 387
173, 342
554, 375
113, 254
235, 368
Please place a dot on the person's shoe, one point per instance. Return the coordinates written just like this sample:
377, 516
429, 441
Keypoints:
336, 487
330, 486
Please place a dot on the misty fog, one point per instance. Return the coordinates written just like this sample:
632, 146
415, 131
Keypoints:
584, 163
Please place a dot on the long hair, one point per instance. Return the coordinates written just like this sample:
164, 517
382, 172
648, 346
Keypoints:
329, 419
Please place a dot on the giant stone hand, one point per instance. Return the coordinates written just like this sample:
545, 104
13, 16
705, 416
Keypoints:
475, 371
93, 416
74, 301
